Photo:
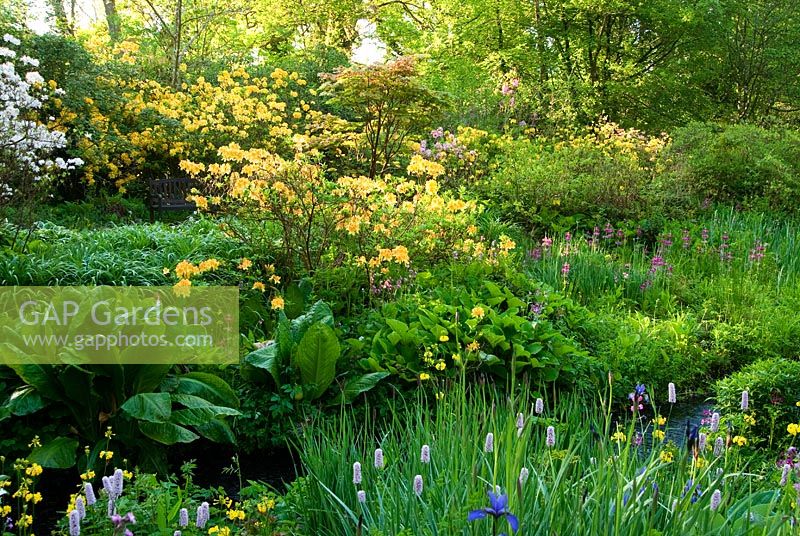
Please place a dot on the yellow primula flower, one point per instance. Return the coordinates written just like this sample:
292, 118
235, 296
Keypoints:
658, 434
750, 419
34, 470
666, 456
618, 436
106, 455
661, 420
443, 338
740, 440
88, 475
424, 376
793, 428
440, 365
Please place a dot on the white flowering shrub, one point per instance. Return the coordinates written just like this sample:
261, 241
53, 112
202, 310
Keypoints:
27, 144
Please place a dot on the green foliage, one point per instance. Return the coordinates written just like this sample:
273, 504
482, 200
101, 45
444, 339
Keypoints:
773, 386
738, 164
137, 401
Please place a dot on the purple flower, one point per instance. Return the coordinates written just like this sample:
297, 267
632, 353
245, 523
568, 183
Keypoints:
520, 423
539, 406
488, 444
362, 496
202, 516
357, 473
716, 498
176, 533
425, 454
715, 422
498, 508
418, 485
117, 482
565, 269
89, 491
785, 474
719, 447
671, 396
550, 439
378, 460
80, 506
183, 517
74, 523
110, 511
701, 442
745, 400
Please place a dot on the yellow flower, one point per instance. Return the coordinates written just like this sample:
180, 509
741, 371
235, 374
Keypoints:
443, 338
618, 436
106, 455
700, 462
165, 271
25, 520
181, 288
127, 474
34, 470
35, 442
277, 303
88, 475
258, 285
797, 403
473, 346
5, 510
666, 456
424, 376
793, 429
658, 434
456, 357
478, 312
750, 419
740, 440
185, 270
35, 498
439, 395
661, 420
236, 514
245, 264
440, 365
275, 279
210, 264
109, 433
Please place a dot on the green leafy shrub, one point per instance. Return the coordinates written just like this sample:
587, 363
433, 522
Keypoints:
773, 386
737, 164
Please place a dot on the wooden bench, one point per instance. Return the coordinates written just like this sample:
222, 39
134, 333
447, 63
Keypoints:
170, 193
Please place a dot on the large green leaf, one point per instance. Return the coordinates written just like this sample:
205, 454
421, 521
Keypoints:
208, 386
217, 430
167, 433
25, 401
151, 407
60, 453
266, 358
43, 379
317, 313
359, 384
316, 357
145, 378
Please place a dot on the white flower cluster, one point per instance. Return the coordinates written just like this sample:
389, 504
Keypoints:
24, 140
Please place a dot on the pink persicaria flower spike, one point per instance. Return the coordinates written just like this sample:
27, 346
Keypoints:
74, 523
523, 475
716, 499
80, 506
357, 473
550, 440
362, 496
671, 396
715, 422
745, 400
785, 474
89, 491
183, 518
425, 454
539, 406
378, 459
418, 485
719, 447
488, 444
702, 439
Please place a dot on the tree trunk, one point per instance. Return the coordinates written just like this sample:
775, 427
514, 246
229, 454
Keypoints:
176, 66
112, 19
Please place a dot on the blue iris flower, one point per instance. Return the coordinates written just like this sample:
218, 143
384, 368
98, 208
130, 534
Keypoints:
498, 508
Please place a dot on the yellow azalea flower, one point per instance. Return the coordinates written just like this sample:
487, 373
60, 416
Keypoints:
88, 475
793, 429
444, 338
618, 436
275, 279
245, 264
277, 303
34, 470
185, 270
740, 440
666, 456
478, 312
440, 365
258, 285
208, 265
424, 376
181, 288
658, 434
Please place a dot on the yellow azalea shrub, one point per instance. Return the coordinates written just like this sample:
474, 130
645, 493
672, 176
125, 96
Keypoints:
150, 127
380, 225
